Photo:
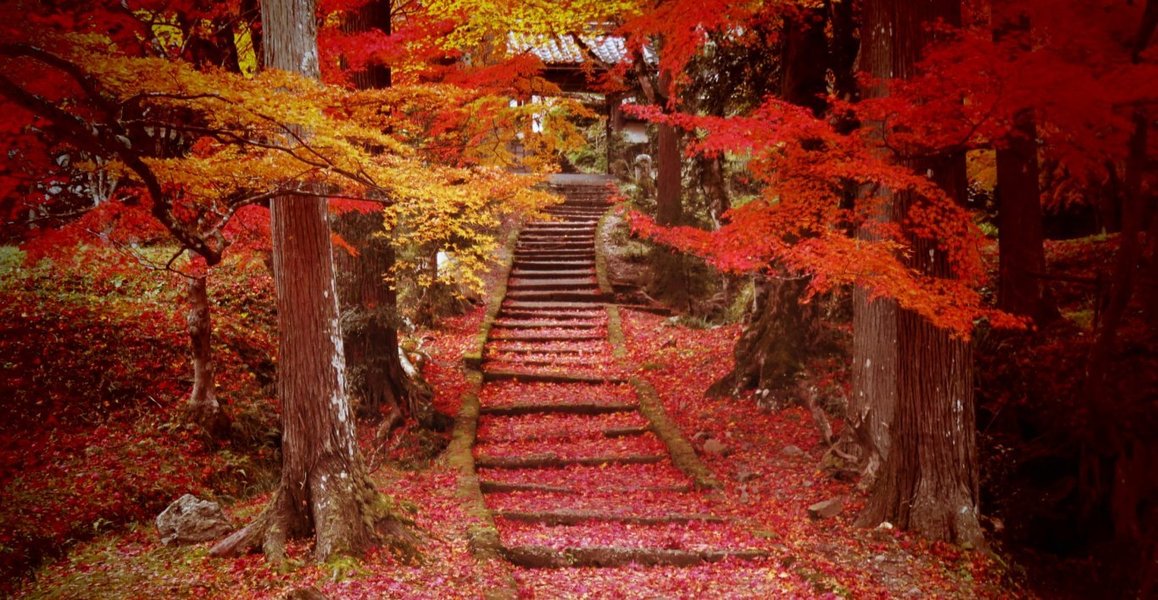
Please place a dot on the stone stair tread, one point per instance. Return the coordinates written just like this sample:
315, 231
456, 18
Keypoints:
533, 335
491, 373
558, 296
578, 408
613, 478
556, 426
567, 516
489, 486
522, 323
549, 274
565, 282
612, 556
549, 461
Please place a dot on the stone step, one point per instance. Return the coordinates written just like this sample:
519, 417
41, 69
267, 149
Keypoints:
516, 304
530, 264
547, 324
507, 372
551, 314
609, 556
547, 274
545, 285
499, 334
573, 517
560, 255
591, 296
586, 233
558, 228
503, 487
551, 461
574, 408
544, 359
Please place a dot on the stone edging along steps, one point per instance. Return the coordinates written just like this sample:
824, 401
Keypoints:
564, 441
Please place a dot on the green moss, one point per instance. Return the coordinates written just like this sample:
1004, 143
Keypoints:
473, 357
682, 453
341, 567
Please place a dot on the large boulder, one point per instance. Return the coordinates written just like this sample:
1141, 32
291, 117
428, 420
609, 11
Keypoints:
190, 520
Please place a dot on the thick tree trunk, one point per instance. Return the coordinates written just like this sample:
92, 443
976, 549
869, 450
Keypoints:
324, 486
377, 382
1110, 454
873, 402
715, 186
777, 339
1020, 253
1020, 288
771, 350
369, 304
929, 478
203, 407
669, 207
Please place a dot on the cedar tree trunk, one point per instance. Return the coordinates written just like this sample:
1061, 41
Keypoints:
369, 304
777, 338
1021, 257
669, 268
1020, 253
929, 479
1112, 457
324, 488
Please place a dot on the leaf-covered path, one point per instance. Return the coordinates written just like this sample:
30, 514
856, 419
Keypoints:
577, 462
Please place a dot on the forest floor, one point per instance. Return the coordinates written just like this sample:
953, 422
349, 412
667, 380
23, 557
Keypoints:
767, 465
767, 487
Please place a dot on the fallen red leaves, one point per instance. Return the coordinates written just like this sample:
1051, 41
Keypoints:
499, 429
606, 476
516, 393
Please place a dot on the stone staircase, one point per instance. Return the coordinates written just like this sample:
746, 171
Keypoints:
572, 470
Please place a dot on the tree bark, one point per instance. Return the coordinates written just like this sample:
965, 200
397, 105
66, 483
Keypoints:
1109, 453
374, 372
669, 268
203, 407
324, 488
771, 350
669, 207
929, 476
777, 338
1021, 257
873, 402
715, 186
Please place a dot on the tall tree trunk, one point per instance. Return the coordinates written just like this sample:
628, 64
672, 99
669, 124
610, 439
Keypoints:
324, 488
669, 267
1111, 449
715, 186
669, 161
1021, 256
374, 372
873, 402
929, 478
777, 337
203, 407
771, 350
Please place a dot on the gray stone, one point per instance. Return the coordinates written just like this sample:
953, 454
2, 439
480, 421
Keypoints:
304, 593
190, 519
714, 446
827, 508
791, 451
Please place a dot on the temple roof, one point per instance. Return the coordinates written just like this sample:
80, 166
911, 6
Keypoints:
557, 51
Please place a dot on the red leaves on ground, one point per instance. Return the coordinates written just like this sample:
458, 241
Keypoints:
514, 393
